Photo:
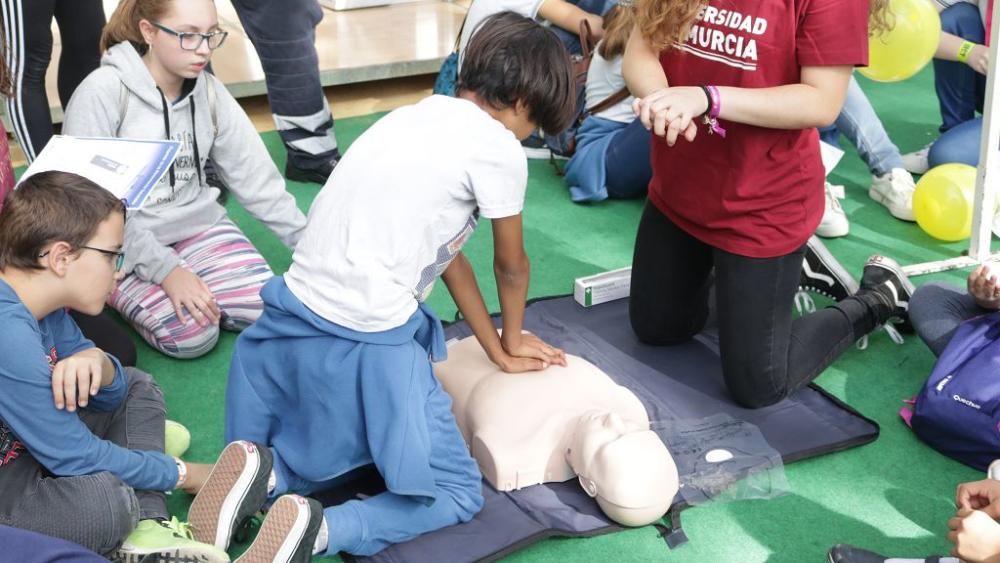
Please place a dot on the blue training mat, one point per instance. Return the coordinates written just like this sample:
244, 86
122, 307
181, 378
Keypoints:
682, 382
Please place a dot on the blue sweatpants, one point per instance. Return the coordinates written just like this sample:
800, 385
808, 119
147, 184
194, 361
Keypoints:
365, 527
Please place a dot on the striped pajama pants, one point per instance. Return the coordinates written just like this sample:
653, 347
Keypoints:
233, 270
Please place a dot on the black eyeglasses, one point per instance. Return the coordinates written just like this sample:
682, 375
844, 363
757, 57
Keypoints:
192, 41
118, 255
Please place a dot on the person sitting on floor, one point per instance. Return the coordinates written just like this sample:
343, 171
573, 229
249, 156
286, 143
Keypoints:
937, 309
81, 437
342, 354
612, 146
100, 329
190, 270
960, 66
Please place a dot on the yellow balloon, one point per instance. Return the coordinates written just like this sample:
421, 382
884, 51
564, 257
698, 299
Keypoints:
942, 202
902, 51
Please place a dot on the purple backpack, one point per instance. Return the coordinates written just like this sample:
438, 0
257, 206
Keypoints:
958, 410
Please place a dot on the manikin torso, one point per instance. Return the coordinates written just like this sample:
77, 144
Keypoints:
519, 427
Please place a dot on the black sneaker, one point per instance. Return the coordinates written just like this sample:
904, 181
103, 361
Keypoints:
234, 491
885, 280
317, 175
823, 274
288, 533
843, 553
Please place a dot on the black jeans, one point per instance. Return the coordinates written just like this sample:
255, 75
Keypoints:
766, 354
28, 33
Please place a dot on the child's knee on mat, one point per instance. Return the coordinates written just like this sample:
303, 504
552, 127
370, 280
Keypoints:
468, 500
753, 386
661, 332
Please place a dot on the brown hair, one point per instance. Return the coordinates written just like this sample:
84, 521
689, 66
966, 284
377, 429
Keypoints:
666, 22
123, 25
6, 81
618, 23
512, 59
880, 18
51, 207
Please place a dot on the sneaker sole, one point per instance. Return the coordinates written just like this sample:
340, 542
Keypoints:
282, 532
834, 266
176, 555
214, 510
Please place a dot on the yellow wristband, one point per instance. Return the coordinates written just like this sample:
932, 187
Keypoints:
965, 50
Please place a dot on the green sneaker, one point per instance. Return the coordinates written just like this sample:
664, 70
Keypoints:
177, 439
160, 541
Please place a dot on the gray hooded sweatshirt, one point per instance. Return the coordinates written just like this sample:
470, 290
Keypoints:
181, 205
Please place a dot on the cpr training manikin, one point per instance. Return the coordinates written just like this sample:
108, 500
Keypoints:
556, 424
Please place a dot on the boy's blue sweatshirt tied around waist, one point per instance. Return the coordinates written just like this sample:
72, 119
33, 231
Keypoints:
373, 389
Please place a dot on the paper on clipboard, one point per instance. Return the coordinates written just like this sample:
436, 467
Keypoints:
128, 168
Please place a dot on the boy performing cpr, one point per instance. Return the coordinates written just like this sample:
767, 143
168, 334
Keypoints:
337, 372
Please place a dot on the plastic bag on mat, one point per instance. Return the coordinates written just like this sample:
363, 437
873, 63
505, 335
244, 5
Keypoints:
720, 458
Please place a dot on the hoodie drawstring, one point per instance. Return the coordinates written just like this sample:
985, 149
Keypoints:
166, 125
194, 135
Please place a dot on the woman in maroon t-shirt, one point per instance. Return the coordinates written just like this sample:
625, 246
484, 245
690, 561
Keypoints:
733, 91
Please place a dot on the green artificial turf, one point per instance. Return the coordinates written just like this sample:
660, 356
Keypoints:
893, 496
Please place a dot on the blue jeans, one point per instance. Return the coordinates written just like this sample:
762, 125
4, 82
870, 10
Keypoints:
862, 127
571, 39
627, 168
365, 527
958, 144
960, 90
936, 310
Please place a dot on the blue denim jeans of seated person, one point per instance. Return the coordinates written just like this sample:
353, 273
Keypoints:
960, 89
958, 144
863, 128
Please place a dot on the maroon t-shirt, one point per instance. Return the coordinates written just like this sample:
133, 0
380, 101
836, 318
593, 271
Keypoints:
758, 192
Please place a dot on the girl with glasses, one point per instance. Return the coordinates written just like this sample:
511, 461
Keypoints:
189, 270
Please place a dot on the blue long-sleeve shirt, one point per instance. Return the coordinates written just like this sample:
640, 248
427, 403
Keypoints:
58, 439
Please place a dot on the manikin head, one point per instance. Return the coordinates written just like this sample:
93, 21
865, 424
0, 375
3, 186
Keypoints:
627, 469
